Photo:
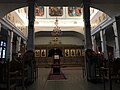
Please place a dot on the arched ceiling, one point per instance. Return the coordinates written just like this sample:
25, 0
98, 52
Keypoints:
110, 7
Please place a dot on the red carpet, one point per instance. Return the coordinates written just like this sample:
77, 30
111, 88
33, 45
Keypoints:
61, 76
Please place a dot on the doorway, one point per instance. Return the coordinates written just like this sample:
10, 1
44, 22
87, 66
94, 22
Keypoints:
54, 51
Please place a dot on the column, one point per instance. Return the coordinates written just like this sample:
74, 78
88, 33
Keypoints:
93, 43
31, 17
116, 27
0, 27
30, 42
103, 43
9, 45
86, 16
88, 42
18, 43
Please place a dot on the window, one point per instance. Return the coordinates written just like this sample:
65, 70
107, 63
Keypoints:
2, 49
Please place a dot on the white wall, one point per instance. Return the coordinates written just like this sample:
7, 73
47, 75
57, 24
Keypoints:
65, 40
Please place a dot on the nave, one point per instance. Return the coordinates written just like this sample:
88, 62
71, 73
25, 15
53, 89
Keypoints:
75, 81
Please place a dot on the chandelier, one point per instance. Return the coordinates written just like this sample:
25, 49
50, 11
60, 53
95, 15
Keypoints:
56, 30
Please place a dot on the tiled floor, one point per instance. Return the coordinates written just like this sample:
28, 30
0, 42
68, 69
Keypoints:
74, 81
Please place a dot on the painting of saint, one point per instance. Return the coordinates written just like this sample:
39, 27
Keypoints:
66, 52
37, 53
82, 52
78, 52
74, 11
55, 11
39, 11
72, 52
43, 53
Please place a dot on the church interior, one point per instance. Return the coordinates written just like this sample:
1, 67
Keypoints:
59, 45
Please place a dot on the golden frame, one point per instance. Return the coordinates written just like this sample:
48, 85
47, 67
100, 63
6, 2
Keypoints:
82, 52
67, 53
72, 52
78, 52
37, 53
43, 52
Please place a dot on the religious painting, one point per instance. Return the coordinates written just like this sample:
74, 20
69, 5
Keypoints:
72, 51
74, 11
66, 52
43, 52
82, 52
55, 11
37, 53
39, 10
78, 52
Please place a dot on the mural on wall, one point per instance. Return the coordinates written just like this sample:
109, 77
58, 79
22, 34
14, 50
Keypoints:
55, 11
16, 22
74, 11
39, 10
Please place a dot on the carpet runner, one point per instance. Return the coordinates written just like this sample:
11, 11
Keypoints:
61, 76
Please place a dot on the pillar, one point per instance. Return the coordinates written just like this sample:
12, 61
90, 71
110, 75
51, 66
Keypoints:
30, 42
9, 45
18, 43
0, 27
116, 27
103, 43
31, 18
89, 68
93, 43
87, 29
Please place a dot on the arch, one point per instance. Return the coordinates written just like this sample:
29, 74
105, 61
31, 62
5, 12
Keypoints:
65, 33
111, 10
8, 6
55, 51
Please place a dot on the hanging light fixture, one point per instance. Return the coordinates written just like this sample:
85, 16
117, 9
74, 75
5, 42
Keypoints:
56, 30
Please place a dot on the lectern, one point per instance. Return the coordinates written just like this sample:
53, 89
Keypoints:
56, 65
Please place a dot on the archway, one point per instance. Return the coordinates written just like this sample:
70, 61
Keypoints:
10, 5
54, 51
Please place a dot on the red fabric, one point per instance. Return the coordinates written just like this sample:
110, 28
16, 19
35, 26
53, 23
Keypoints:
61, 76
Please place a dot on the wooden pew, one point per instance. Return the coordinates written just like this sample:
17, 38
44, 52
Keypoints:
8, 81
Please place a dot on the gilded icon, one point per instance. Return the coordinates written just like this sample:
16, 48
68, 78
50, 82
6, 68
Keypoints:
43, 52
72, 52
66, 52
37, 53
82, 52
78, 52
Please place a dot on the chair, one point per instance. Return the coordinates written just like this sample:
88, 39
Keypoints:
8, 79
